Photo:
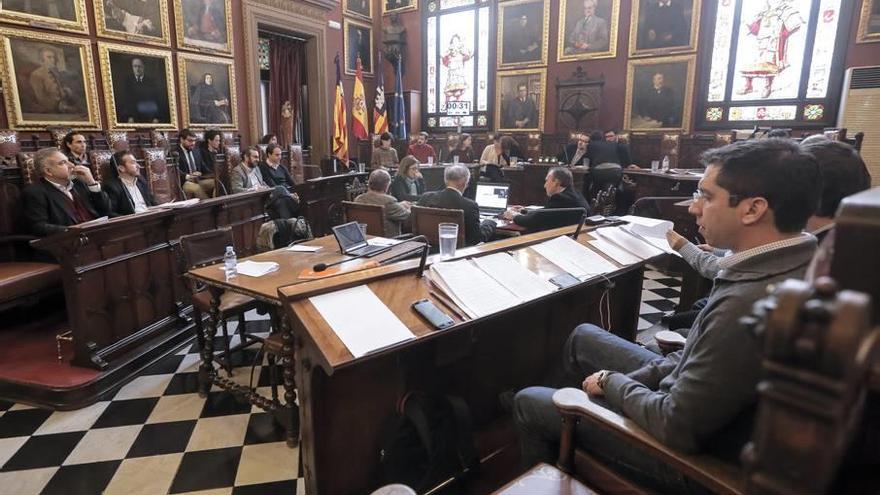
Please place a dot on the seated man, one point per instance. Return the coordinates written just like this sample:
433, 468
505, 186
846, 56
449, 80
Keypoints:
622, 148
74, 146
273, 171
559, 188
127, 190
247, 176
575, 154
451, 198
384, 156
600, 151
754, 199
64, 195
396, 213
408, 184
421, 149
195, 170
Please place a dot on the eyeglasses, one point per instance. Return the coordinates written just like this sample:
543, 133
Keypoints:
733, 199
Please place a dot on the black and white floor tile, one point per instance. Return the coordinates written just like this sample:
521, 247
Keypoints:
156, 435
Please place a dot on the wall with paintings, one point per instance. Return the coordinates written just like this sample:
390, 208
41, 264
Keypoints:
120, 64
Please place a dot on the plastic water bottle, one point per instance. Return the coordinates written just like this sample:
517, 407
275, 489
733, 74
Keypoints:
665, 164
230, 263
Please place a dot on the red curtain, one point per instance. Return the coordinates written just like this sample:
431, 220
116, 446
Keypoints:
286, 59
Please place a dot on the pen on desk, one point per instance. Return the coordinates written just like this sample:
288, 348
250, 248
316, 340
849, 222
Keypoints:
447, 305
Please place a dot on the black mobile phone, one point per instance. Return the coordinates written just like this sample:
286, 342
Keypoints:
564, 280
432, 313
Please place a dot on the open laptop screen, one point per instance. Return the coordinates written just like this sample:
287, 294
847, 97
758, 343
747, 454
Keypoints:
349, 236
492, 196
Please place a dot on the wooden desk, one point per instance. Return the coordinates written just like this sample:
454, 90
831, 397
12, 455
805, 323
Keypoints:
345, 402
527, 183
649, 183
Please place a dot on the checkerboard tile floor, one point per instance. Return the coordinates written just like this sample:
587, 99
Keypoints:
156, 435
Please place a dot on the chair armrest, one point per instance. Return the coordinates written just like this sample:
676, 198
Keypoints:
709, 471
13, 238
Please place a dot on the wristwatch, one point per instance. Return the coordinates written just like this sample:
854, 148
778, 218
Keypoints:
603, 376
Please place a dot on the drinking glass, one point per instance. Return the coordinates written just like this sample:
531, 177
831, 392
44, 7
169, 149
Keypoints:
448, 239
430, 160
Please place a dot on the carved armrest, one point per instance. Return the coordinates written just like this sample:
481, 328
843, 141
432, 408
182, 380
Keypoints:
711, 472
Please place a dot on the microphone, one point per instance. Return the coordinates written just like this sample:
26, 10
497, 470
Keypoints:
320, 267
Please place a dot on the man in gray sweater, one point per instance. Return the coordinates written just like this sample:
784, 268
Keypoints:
754, 200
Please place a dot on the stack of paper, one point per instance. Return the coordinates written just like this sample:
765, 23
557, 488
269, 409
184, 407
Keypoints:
488, 284
383, 241
181, 204
361, 320
254, 268
650, 230
573, 257
624, 239
614, 252
303, 248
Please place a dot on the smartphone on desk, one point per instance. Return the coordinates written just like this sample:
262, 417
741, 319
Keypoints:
438, 319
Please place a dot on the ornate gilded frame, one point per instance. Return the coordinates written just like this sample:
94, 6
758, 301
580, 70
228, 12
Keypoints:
611, 52
356, 14
345, 25
10, 93
201, 46
545, 34
182, 59
687, 97
691, 47
864, 18
80, 25
104, 50
542, 94
414, 5
103, 31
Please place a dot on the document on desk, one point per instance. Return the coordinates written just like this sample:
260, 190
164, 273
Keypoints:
573, 257
614, 252
472, 289
361, 320
302, 248
254, 268
626, 240
650, 230
519, 280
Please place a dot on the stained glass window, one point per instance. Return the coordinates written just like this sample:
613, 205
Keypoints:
457, 52
774, 59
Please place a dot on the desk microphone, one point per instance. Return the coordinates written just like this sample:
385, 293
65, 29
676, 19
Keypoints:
320, 267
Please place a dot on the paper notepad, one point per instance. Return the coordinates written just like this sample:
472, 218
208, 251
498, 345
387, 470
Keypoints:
650, 230
614, 252
472, 289
361, 320
516, 278
573, 257
254, 268
628, 241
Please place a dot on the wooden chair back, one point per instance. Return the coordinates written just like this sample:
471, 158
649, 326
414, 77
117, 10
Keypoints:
25, 161
372, 215
425, 221
117, 140
204, 248
101, 166
57, 134
161, 177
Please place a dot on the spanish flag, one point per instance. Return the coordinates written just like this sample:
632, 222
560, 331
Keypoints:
340, 128
380, 114
359, 106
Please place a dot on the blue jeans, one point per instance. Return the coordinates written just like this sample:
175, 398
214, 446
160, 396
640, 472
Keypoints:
587, 350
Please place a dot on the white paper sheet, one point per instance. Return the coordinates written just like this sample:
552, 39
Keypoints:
616, 253
516, 278
573, 257
181, 204
361, 320
96, 221
650, 230
629, 242
472, 289
254, 268
302, 248
383, 241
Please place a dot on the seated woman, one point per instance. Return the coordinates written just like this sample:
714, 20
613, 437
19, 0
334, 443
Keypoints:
447, 151
384, 156
493, 158
408, 184
465, 150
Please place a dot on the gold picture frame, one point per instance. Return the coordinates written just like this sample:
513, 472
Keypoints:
118, 109
634, 33
865, 21
347, 10
78, 24
504, 96
17, 64
412, 5
566, 53
638, 83
503, 59
349, 59
163, 39
200, 45
187, 62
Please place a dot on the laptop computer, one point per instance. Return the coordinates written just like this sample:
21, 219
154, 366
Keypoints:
492, 199
353, 242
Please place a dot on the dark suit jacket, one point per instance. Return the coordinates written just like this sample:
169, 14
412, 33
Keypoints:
603, 152
46, 210
450, 199
120, 200
568, 198
270, 179
567, 154
400, 190
202, 163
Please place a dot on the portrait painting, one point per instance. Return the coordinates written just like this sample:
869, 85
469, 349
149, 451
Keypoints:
358, 43
207, 88
66, 15
519, 100
659, 93
522, 33
144, 21
138, 86
869, 22
48, 80
204, 25
588, 29
392, 6
359, 8
659, 27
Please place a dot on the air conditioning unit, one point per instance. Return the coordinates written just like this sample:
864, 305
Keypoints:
859, 108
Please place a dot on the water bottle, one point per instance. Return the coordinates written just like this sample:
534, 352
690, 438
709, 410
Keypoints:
665, 165
230, 263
